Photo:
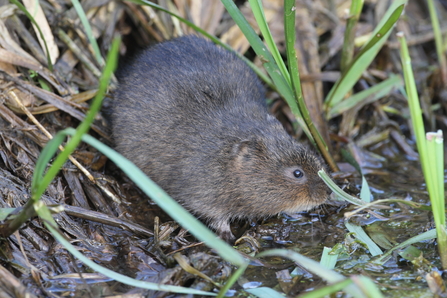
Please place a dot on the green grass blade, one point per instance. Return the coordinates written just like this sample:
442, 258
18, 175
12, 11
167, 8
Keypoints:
292, 62
435, 152
366, 54
413, 103
88, 31
435, 184
232, 280
431, 234
44, 158
338, 191
365, 192
39, 185
4, 212
264, 292
362, 236
438, 39
367, 96
328, 290
313, 267
432, 168
268, 61
328, 260
368, 286
348, 44
258, 12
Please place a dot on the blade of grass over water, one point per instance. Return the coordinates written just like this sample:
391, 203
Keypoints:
435, 151
328, 260
365, 192
315, 268
431, 234
366, 55
264, 292
292, 61
362, 236
232, 280
338, 191
328, 290
432, 168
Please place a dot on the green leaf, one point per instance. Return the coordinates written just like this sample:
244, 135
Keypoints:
88, 31
328, 260
258, 12
362, 236
338, 191
315, 268
264, 292
366, 54
268, 61
431, 234
367, 96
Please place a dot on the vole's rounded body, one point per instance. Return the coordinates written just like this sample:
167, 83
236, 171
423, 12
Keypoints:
192, 116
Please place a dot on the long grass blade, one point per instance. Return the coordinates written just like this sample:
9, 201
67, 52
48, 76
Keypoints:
438, 39
435, 185
269, 63
88, 31
315, 268
362, 236
258, 12
366, 54
347, 52
292, 62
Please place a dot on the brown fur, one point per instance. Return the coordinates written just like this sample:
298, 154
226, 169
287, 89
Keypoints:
192, 116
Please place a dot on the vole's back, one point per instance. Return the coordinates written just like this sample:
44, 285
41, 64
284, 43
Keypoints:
191, 116
188, 73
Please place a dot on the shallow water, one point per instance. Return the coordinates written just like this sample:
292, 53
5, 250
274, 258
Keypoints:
309, 233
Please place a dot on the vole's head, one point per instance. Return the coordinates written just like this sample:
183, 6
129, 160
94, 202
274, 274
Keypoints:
278, 175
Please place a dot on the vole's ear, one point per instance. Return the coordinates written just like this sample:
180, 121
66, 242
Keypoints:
246, 151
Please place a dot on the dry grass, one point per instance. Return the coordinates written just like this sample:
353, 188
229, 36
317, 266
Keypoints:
100, 214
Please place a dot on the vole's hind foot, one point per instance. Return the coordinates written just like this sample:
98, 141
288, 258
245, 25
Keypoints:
224, 231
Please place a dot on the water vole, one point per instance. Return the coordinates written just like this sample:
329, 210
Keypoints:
192, 116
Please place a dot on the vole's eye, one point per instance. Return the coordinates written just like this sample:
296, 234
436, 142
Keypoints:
298, 174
